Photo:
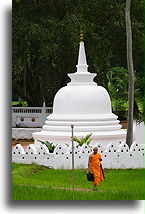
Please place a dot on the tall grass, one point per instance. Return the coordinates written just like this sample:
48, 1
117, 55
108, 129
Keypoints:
38, 180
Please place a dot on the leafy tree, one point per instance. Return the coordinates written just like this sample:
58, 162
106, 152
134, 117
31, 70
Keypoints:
46, 38
118, 90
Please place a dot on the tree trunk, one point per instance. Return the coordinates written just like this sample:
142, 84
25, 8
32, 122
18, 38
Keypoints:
129, 136
27, 84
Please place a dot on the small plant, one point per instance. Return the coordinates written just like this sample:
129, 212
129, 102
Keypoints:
49, 145
83, 140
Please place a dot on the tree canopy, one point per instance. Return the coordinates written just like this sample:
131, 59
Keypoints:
46, 39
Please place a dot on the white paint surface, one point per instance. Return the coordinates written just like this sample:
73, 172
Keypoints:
86, 105
114, 156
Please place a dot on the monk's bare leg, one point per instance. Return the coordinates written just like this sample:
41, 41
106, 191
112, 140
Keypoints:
95, 188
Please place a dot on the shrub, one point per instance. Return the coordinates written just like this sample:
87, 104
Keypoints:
49, 145
83, 140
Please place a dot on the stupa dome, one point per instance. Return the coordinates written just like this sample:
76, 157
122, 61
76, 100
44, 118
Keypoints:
82, 100
86, 105
82, 96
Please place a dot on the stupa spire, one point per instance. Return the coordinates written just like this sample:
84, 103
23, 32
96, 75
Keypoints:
81, 36
82, 76
82, 62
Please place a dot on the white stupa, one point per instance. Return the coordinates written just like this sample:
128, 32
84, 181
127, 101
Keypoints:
86, 105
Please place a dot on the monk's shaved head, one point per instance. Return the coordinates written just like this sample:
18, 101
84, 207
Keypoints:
95, 149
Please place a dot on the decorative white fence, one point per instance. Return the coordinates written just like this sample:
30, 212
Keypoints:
114, 156
30, 116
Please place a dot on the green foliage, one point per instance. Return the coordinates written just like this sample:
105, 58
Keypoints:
46, 38
83, 140
139, 97
120, 107
118, 90
118, 82
49, 145
33, 182
21, 103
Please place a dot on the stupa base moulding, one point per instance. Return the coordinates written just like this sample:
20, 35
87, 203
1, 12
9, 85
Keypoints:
62, 140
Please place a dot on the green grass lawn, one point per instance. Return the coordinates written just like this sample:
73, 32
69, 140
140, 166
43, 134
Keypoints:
33, 182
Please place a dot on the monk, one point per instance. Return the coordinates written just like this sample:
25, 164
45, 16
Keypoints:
94, 165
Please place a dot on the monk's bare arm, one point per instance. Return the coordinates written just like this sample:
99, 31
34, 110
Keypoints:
100, 158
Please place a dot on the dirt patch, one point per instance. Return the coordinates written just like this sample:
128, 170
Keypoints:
124, 124
24, 142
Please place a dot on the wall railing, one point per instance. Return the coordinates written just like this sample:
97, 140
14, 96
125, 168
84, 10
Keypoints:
30, 116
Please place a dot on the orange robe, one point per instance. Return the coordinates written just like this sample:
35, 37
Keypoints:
96, 169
